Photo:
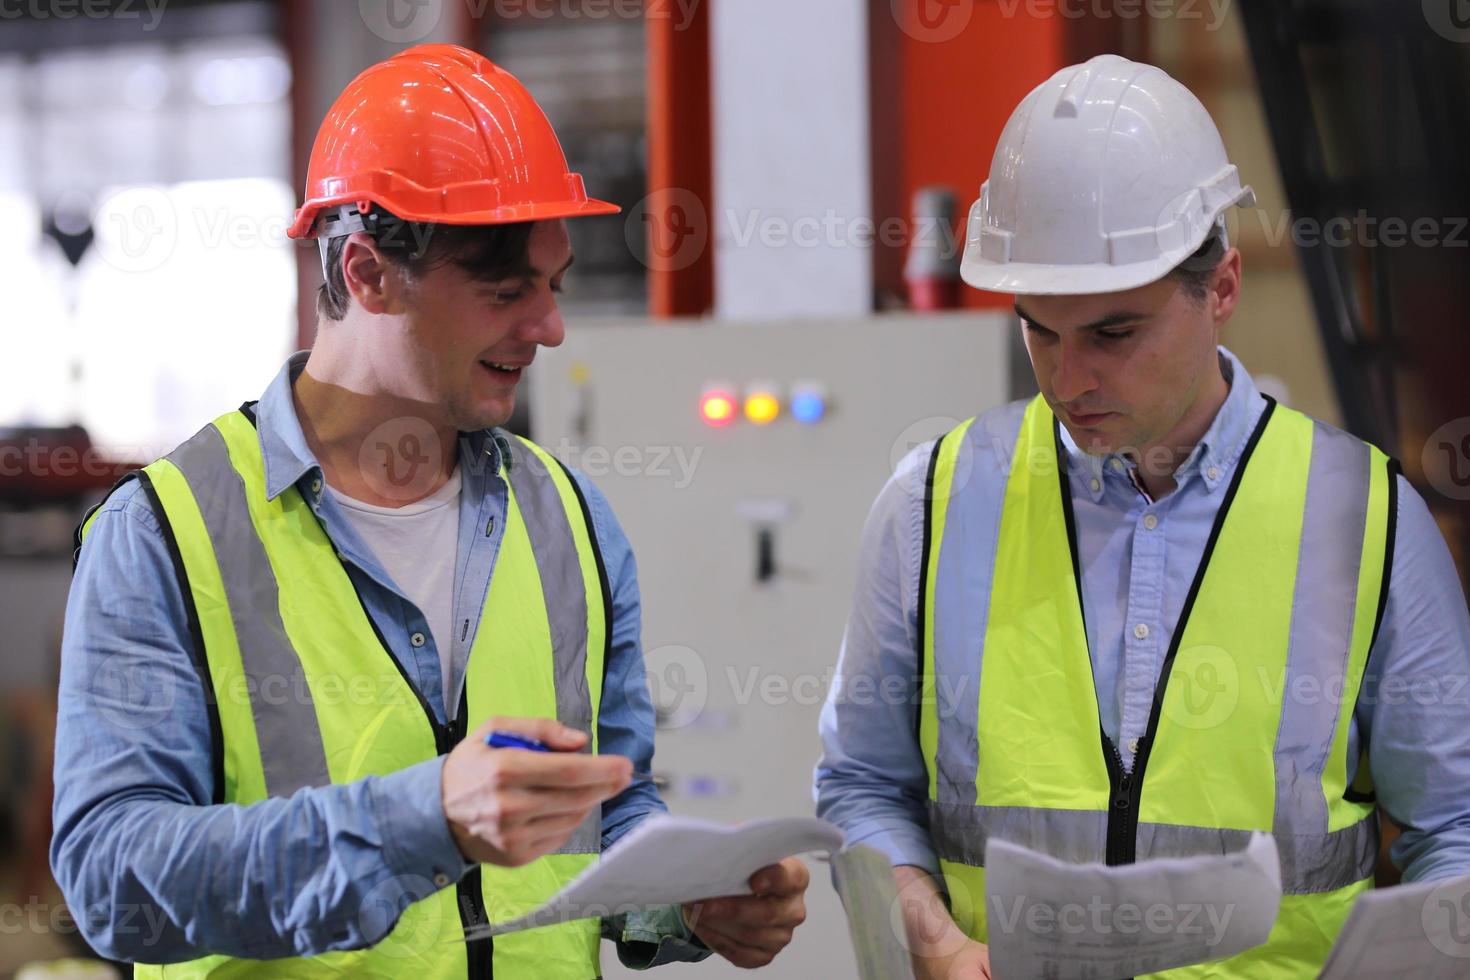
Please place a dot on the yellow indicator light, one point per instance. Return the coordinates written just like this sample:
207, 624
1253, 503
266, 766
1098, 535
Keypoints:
762, 407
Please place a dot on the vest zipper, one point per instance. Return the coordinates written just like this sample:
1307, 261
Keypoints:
1123, 802
1127, 787
1124, 788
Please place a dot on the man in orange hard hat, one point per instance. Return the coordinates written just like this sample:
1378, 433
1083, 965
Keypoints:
289, 641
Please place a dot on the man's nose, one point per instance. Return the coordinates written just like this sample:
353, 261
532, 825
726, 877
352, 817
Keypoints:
1073, 376
545, 327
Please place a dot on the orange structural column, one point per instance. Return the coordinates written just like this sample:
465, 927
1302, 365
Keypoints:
676, 218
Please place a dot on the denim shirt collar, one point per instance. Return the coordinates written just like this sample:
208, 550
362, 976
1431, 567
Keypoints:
1213, 458
289, 460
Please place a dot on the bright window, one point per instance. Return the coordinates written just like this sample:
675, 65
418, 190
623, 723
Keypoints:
175, 160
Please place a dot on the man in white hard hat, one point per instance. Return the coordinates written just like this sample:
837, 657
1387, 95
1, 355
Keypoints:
1151, 610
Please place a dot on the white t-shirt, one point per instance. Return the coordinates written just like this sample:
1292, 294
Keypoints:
416, 544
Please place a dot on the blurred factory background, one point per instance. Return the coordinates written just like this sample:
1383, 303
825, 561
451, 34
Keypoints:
795, 177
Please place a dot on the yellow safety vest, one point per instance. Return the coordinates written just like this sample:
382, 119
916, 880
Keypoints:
1286, 602
273, 610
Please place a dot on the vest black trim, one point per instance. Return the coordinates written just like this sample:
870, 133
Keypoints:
1388, 546
927, 543
76, 534
1368, 794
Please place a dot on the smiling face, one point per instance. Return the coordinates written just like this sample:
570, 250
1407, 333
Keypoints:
462, 343
1128, 371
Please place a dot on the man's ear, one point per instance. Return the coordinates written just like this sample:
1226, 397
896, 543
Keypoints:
370, 278
1225, 287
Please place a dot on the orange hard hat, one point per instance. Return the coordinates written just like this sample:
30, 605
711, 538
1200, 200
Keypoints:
441, 134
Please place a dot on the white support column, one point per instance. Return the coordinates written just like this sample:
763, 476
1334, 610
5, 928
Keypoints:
791, 222
349, 37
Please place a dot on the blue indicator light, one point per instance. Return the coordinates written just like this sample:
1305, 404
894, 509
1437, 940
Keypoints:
808, 407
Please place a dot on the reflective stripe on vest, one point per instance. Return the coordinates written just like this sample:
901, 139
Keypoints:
307, 693
1248, 730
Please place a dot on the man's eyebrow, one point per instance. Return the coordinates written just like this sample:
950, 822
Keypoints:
528, 271
1111, 320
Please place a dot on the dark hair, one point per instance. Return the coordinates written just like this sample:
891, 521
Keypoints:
488, 253
1195, 272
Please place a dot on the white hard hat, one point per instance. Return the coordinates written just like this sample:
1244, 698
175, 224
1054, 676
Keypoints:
1107, 176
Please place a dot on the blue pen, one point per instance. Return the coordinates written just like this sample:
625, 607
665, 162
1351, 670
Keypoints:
510, 740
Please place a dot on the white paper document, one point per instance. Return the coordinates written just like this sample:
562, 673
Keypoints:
669, 860
1420, 930
864, 879
1060, 921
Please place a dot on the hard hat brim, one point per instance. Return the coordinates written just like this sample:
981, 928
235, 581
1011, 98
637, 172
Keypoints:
1035, 279
305, 224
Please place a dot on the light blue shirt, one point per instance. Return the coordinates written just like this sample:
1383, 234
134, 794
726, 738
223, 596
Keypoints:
1137, 560
154, 872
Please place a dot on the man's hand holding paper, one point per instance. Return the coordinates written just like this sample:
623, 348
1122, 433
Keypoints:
749, 930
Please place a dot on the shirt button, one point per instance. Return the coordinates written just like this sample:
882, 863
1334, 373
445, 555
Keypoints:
1141, 631
316, 486
441, 880
1096, 485
1132, 747
417, 639
1213, 473
1150, 521
1117, 465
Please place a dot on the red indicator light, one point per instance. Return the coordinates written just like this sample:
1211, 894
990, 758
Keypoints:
717, 408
